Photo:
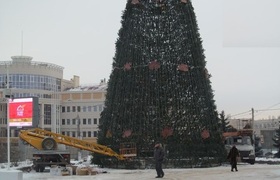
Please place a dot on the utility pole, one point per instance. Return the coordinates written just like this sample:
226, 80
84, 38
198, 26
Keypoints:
79, 136
253, 136
7, 96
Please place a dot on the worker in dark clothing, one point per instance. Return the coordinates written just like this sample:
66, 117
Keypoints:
159, 155
232, 156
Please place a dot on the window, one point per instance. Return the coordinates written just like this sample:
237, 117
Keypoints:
89, 108
79, 108
63, 121
63, 109
89, 134
89, 121
68, 121
84, 134
16, 132
73, 121
84, 121
95, 121
73, 134
95, 133
100, 108
73, 108
84, 109
68, 108
63, 133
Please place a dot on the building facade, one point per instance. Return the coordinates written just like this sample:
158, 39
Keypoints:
23, 77
80, 113
64, 106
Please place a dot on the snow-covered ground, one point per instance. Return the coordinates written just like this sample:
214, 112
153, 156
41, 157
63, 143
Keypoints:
246, 172
262, 170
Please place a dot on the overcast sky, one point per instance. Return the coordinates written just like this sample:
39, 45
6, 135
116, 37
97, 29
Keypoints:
241, 40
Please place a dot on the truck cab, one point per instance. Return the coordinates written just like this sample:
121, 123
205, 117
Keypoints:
244, 145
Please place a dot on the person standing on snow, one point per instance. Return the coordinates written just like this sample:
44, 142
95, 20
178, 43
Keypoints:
159, 155
232, 156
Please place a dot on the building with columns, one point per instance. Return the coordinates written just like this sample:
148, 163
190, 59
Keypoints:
64, 106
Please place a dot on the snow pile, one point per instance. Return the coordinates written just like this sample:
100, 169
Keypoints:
24, 165
99, 87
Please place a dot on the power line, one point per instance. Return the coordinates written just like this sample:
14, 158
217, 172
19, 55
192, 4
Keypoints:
258, 110
241, 113
268, 109
273, 105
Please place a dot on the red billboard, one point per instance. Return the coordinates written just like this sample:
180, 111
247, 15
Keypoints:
20, 112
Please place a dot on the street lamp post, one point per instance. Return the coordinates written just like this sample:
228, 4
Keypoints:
79, 135
7, 98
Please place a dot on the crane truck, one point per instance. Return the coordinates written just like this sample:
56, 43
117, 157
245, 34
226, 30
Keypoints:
243, 140
47, 154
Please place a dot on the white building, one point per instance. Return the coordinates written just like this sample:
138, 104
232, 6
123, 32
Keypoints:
60, 101
80, 112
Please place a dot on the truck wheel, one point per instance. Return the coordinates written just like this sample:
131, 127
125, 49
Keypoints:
49, 144
36, 168
42, 168
252, 161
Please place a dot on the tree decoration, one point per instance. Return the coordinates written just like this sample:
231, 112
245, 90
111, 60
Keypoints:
127, 66
183, 67
205, 134
108, 134
154, 65
180, 67
135, 2
127, 133
166, 132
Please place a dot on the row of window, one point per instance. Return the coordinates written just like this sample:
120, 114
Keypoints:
84, 121
267, 125
19, 95
97, 108
31, 81
83, 133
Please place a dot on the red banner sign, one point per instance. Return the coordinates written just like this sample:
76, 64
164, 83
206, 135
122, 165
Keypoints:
20, 112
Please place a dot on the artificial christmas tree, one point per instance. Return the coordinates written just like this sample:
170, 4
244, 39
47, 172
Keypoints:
159, 88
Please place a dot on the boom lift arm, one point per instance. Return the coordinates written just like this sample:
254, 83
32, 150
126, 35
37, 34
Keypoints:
241, 132
46, 140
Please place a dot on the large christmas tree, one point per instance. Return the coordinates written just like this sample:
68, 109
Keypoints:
159, 88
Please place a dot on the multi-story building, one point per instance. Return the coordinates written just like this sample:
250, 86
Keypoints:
64, 106
80, 112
